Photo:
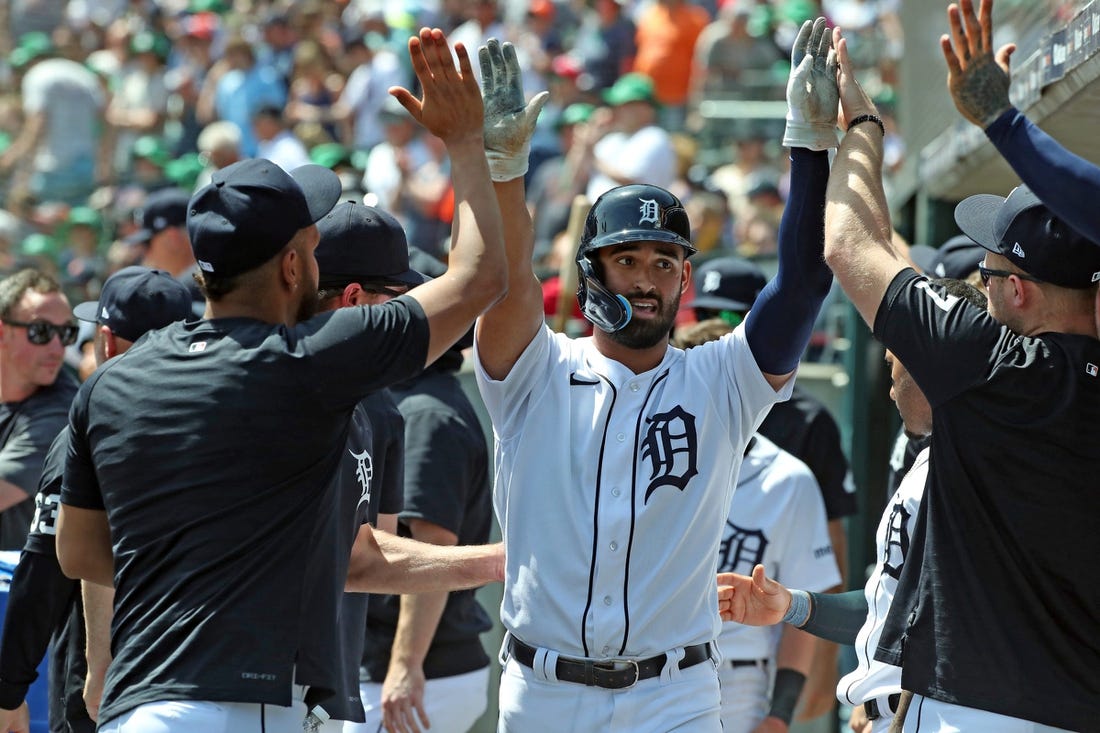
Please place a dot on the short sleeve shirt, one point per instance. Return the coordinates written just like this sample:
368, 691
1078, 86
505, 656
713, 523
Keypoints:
212, 446
994, 607
30, 427
612, 489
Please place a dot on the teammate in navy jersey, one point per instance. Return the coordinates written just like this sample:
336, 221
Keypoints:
206, 508
44, 607
1007, 525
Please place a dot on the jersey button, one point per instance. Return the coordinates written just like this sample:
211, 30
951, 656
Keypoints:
607, 600
615, 491
634, 387
620, 437
606, 650
614, 546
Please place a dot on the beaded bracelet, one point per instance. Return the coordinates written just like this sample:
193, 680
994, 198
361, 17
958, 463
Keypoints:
868, 118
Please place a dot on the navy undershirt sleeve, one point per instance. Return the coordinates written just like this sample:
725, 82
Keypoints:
1068, 184
779, 326
837, 617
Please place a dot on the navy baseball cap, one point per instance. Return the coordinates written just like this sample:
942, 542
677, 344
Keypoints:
137, 299
360, 242
163, 209
957, 258
727, 283
1023, 230
251, 209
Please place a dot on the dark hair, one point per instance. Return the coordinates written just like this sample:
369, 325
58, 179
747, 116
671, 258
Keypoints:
215, 288
964, 290
13, 287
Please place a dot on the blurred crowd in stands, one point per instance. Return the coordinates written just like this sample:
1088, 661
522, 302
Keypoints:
105, 101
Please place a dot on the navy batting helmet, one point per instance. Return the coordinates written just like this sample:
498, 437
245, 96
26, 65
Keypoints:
633, 213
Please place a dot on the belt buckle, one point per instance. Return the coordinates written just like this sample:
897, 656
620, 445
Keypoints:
637, 672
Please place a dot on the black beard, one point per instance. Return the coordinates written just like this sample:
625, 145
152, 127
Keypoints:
308, 306
638, 334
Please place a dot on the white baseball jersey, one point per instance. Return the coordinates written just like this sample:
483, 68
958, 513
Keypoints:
612, 489
872, 678
776, 518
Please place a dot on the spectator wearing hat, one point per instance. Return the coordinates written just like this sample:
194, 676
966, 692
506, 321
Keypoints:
80, 262
633, 148
44, 607
57, 149
149, 158
211, 509
164, 240
139, 103
275, 142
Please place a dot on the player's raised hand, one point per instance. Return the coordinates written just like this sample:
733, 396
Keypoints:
451, 104
509, 119
854, 102
977, 79
812, 90
756, 600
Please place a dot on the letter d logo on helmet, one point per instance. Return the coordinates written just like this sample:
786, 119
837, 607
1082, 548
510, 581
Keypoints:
633, 213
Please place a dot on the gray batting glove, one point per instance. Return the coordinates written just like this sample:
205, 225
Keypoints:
509, 121
812, 94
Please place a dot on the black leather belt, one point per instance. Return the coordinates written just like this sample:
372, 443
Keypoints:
874, 712
611, 675
736, 663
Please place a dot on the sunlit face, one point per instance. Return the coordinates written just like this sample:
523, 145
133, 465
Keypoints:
651, 276
916, 413
28, 363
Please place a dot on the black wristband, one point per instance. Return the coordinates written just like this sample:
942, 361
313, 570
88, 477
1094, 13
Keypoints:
788, 686
868, 118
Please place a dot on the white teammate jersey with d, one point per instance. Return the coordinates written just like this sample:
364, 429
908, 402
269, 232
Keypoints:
612, 490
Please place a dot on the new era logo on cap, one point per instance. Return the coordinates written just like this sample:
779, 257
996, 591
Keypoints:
1056, 252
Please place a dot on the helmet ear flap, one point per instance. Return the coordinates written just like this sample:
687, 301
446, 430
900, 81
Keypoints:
606, 310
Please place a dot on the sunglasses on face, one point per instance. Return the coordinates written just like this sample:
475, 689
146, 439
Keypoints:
41, 332
987, 273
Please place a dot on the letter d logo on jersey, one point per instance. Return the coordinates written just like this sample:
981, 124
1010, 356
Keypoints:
671, 446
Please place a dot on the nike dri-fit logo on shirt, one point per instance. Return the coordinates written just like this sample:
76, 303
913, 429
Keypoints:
574, 380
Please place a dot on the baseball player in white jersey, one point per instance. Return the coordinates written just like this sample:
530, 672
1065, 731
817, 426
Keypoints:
875, 685
616, 455
777, 519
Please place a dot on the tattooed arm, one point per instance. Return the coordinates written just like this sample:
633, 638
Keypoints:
1068, 184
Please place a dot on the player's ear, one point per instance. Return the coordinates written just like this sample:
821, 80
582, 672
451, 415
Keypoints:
352, 295
290, 267
685, 277
110, 346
